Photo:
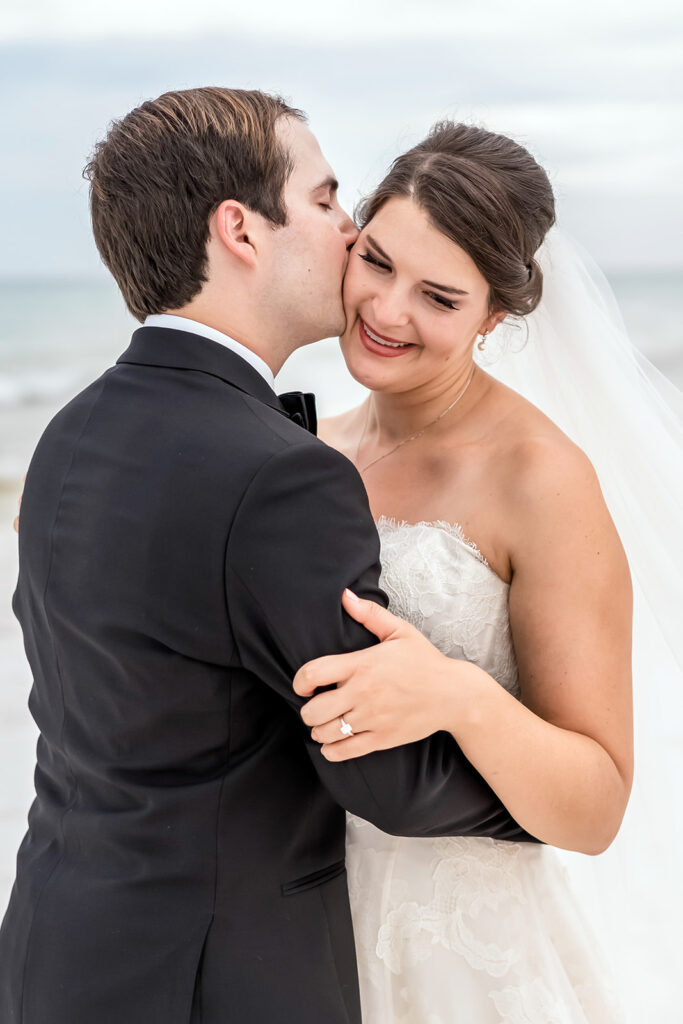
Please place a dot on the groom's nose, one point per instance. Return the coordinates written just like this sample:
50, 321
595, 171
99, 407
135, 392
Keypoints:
348, 229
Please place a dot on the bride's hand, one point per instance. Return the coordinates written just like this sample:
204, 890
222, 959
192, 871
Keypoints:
15, 524
397, 692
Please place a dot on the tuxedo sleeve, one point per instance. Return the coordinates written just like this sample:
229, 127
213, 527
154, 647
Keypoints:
303, 532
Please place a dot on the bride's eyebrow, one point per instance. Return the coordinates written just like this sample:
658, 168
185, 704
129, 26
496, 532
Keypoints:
379, 248
432, 284
445, 288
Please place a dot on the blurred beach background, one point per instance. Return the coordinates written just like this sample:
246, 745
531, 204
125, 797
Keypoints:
595, 91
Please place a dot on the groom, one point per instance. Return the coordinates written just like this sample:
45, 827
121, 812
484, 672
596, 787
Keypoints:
184, 544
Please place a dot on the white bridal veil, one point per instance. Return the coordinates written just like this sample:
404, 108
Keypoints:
578, 365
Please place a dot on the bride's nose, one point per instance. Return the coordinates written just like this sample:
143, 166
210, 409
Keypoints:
390, 309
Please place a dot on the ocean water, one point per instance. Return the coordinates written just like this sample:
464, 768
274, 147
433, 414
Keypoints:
55, 337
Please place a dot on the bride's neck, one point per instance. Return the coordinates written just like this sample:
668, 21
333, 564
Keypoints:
393, 416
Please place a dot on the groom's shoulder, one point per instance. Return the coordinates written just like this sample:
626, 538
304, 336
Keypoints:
276, 436
304, 491
228, 424
292, 452
76, 411
287, 459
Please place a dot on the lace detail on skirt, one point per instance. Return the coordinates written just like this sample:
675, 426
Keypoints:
468, 879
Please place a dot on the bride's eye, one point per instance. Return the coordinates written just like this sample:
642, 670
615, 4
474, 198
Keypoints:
369, 258
446, 303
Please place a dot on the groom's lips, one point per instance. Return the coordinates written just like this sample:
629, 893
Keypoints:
376, 348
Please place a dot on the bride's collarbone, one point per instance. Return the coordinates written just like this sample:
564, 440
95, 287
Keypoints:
464, 482
468, 482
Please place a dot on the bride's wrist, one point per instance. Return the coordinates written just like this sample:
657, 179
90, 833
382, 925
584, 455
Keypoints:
465, 691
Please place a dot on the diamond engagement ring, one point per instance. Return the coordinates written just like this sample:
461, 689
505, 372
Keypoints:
346, 729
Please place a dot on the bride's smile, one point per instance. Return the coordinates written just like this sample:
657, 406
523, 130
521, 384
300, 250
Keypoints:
375, 342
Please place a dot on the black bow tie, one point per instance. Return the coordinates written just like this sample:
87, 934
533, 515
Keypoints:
300, 408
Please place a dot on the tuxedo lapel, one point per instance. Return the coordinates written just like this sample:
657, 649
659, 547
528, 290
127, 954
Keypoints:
180, 350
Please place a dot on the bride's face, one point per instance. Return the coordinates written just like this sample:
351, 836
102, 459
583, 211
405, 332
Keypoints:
409, 285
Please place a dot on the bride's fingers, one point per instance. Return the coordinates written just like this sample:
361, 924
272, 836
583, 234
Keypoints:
325, 671
331, 732
15, 524
325, 707
373, 616
354, 746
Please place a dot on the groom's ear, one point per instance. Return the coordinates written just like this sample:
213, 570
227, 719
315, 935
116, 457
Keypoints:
235, 227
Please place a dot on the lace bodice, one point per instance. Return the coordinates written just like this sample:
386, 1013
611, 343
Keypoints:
440, 582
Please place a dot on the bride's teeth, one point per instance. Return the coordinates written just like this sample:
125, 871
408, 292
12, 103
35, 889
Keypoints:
381, 341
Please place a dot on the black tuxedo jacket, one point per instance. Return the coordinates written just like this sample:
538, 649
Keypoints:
183, 551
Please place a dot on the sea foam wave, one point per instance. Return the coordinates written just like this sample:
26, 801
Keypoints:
38, 387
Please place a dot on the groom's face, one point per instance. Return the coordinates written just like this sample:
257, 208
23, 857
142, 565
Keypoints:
310, 252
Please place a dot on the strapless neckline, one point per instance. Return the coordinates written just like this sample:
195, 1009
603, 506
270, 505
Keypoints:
452, 529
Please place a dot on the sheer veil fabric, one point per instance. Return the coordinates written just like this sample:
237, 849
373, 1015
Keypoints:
574, 360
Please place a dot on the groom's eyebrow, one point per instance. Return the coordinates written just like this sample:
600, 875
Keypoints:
329, 184
432, 284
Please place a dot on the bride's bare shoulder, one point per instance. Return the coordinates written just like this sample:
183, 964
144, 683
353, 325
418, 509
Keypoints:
555, 519
538, 462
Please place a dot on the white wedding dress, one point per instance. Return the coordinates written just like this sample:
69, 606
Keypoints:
459, 930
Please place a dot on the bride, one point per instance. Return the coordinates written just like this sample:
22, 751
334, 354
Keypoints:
498, 546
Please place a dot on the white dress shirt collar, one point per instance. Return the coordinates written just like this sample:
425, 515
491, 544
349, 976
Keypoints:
181, 323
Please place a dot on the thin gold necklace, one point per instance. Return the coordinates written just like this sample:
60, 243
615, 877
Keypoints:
413, 437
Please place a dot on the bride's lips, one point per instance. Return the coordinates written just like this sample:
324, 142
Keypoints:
378, 349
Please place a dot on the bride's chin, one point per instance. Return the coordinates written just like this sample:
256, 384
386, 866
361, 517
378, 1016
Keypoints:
365, 375
355, 371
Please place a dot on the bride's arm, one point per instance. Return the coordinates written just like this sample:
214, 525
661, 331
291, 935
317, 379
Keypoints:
561, 759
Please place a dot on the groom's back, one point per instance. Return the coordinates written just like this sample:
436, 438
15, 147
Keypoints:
175, 798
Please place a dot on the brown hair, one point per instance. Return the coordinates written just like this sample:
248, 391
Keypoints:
164, 168
487, 194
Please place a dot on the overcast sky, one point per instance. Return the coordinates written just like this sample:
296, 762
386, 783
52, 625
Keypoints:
595, 89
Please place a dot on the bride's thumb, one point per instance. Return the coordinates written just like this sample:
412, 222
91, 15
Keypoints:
371, 615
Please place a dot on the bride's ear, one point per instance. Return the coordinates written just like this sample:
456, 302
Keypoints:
491, 322
234, 227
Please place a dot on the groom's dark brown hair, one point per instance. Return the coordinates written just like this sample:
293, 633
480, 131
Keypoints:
164, 168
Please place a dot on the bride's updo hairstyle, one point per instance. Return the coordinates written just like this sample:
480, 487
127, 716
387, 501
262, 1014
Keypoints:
488, 195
